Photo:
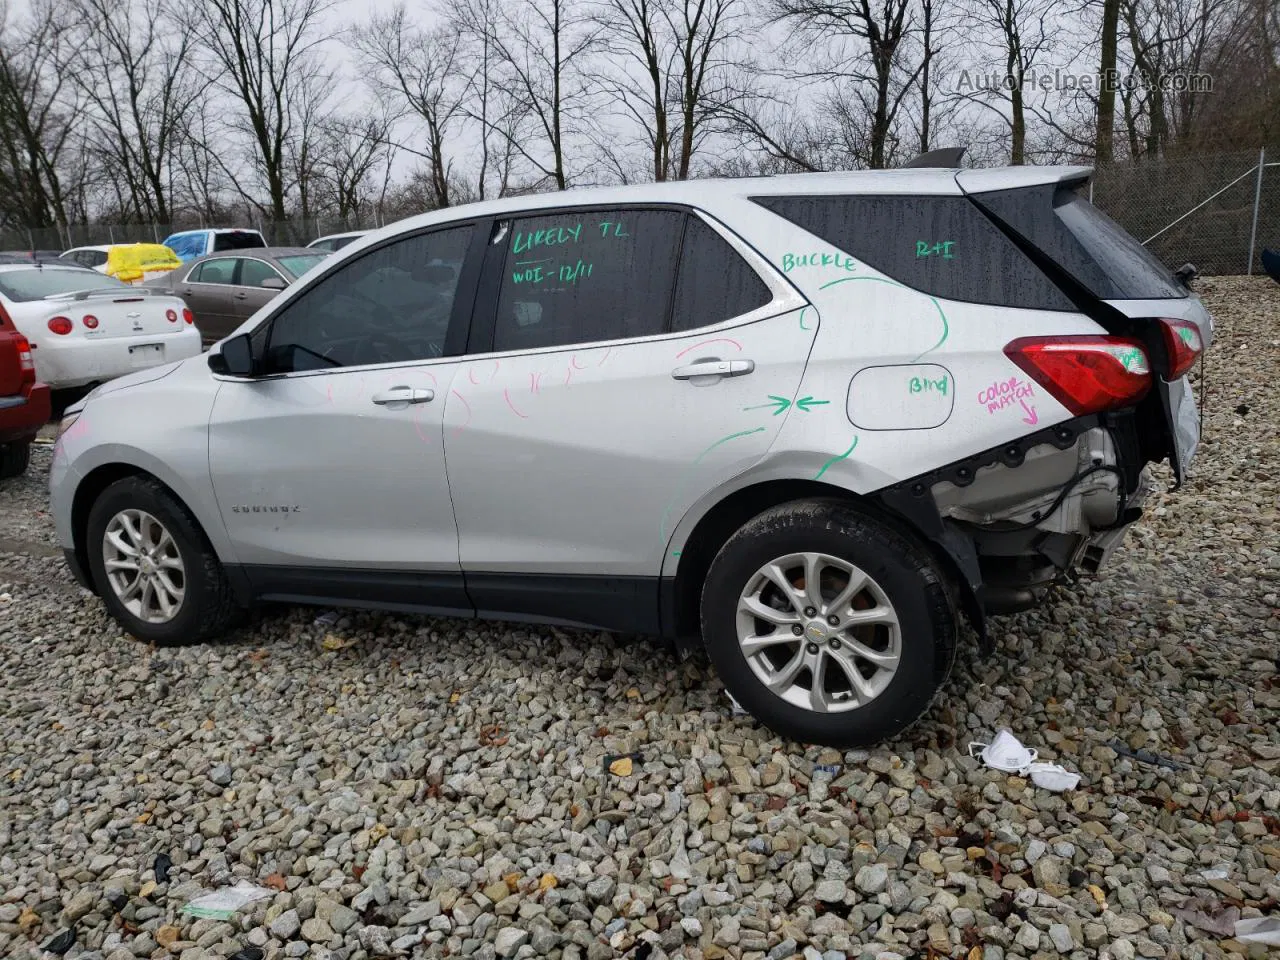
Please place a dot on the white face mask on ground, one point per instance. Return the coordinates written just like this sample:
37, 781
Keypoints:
1053, 777
1005, 752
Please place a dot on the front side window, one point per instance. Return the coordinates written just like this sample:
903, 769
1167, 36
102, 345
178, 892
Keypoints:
941, 245
585, 276
390, 305
216, 271
253, 272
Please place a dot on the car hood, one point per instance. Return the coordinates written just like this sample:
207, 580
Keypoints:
133, 380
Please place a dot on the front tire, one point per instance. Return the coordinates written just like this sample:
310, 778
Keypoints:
154, 568
827, 625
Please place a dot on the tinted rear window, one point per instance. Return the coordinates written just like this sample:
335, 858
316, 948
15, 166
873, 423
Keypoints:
1085, 242
22, 286
944, 246
237, 240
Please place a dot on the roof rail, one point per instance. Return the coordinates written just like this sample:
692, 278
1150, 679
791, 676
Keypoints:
944, 157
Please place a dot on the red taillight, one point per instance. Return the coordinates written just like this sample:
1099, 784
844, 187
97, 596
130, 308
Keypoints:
90, 321
172, 315
1183, 343
1086, 374
25, 360
60, 325
187, 315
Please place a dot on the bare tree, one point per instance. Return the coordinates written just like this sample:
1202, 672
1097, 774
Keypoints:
542, 48
420, 71
1109, 75
38, 112
138, 84
265, 55
354, 149
865, 49
1018, 33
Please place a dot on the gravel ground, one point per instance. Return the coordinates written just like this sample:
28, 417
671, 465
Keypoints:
439, 788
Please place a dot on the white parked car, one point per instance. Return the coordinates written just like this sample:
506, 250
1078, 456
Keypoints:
85, 328
336, 241
95, 258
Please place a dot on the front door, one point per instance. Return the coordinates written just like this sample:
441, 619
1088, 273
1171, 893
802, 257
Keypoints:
329, 470
634, 359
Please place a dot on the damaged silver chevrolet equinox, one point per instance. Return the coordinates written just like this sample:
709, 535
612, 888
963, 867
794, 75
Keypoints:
805, 421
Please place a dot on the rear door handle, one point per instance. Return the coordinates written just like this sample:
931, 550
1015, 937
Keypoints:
241, 296
714, 367
404, 395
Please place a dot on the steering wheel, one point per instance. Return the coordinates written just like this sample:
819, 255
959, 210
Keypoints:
377, 347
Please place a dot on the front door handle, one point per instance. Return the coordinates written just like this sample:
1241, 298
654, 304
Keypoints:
714, 367
241, 296
404, 395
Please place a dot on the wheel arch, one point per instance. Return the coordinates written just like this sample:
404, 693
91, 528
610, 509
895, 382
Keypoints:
91, 487
681, 594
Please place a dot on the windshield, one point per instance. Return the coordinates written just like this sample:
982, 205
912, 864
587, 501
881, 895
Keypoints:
22, 286
298, 264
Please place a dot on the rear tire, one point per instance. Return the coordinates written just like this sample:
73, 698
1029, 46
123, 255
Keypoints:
14, 459
154, 568
848, 665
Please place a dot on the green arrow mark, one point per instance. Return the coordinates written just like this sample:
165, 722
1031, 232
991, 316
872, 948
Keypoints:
804, 403
780, 404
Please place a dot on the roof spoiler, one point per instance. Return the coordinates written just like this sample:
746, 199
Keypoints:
943, 157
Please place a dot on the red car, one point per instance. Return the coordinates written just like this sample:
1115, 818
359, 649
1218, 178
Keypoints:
24, 403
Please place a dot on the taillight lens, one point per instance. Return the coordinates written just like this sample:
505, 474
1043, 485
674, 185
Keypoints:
171, 315
25, 360
1184, 345
187, 315
60, 325
90, 321
1085, 373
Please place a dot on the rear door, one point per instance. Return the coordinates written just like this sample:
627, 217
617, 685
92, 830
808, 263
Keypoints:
624, 361
210, 290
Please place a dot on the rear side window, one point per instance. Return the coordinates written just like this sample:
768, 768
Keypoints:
943, 246
215, 271
586, 276
237, 240
714, 284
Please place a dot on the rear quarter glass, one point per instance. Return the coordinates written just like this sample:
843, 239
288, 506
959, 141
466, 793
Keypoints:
940, 245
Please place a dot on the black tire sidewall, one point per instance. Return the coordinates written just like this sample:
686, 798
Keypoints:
136, 494
14, 459
887, 559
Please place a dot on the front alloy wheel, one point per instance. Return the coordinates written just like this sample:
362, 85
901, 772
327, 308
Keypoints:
144, 566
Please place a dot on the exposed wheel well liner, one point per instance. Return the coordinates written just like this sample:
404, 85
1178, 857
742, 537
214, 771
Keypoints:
726, 517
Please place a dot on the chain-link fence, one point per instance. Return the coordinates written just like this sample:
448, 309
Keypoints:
1217, 211
1197, 208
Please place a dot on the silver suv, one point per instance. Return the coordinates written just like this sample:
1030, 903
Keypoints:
800, 420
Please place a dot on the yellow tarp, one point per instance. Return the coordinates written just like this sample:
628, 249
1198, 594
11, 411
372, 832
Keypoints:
131, 262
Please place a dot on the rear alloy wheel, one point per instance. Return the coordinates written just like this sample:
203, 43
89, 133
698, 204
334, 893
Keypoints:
153, 566
819, 632
827, 625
